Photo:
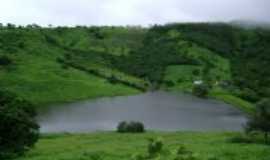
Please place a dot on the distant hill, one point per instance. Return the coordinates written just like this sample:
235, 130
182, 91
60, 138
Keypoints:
60, 64
251, 24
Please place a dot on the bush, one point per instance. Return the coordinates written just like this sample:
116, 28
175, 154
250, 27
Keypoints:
130, 127
200, 90
154, 147
260, 121
156, 150
18, 129
249, 95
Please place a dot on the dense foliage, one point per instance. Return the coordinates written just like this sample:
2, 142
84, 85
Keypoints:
18, 129
260, 121
247, 49
130, 127
150, 61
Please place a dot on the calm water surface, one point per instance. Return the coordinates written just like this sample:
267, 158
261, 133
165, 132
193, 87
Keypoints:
157, 110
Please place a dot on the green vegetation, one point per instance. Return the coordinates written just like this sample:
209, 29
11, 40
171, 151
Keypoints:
18, 129
130, 127
233, 100
36, 75
62, 64
260, 121
115, 146
49, 65
46, 65
42, 80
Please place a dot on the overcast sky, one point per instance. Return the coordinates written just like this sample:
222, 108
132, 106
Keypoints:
130, 12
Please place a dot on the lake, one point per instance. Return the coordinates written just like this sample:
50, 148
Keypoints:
160, 111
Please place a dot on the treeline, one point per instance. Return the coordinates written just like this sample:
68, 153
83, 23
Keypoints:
150, 61
247, 49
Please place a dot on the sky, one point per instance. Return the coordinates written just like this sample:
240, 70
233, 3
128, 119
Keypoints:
130, 12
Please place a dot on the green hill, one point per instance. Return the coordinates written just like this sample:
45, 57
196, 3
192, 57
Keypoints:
52, 65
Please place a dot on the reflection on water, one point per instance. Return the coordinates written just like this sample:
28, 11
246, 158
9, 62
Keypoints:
157, 110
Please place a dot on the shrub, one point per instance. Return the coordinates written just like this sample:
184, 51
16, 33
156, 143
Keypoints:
260, 121
155, 150
122, 127
200, 90
154, 147
18, 129
130, 127
249, 95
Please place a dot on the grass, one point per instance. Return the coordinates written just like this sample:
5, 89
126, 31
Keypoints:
245, 106
182, 76
43, 81
115, 146
36, 75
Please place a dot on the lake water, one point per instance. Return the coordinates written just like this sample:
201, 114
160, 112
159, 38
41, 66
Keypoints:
157, 110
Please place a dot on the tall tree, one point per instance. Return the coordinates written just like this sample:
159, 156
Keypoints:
18, 129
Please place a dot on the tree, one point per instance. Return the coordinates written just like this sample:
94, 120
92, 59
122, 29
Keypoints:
260, 121
130, 127
18, 129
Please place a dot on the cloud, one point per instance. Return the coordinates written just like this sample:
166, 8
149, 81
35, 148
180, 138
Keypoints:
130, 12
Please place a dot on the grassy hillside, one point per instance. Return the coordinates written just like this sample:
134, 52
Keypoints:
36, 75
46, 65
115, 146
44, 81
